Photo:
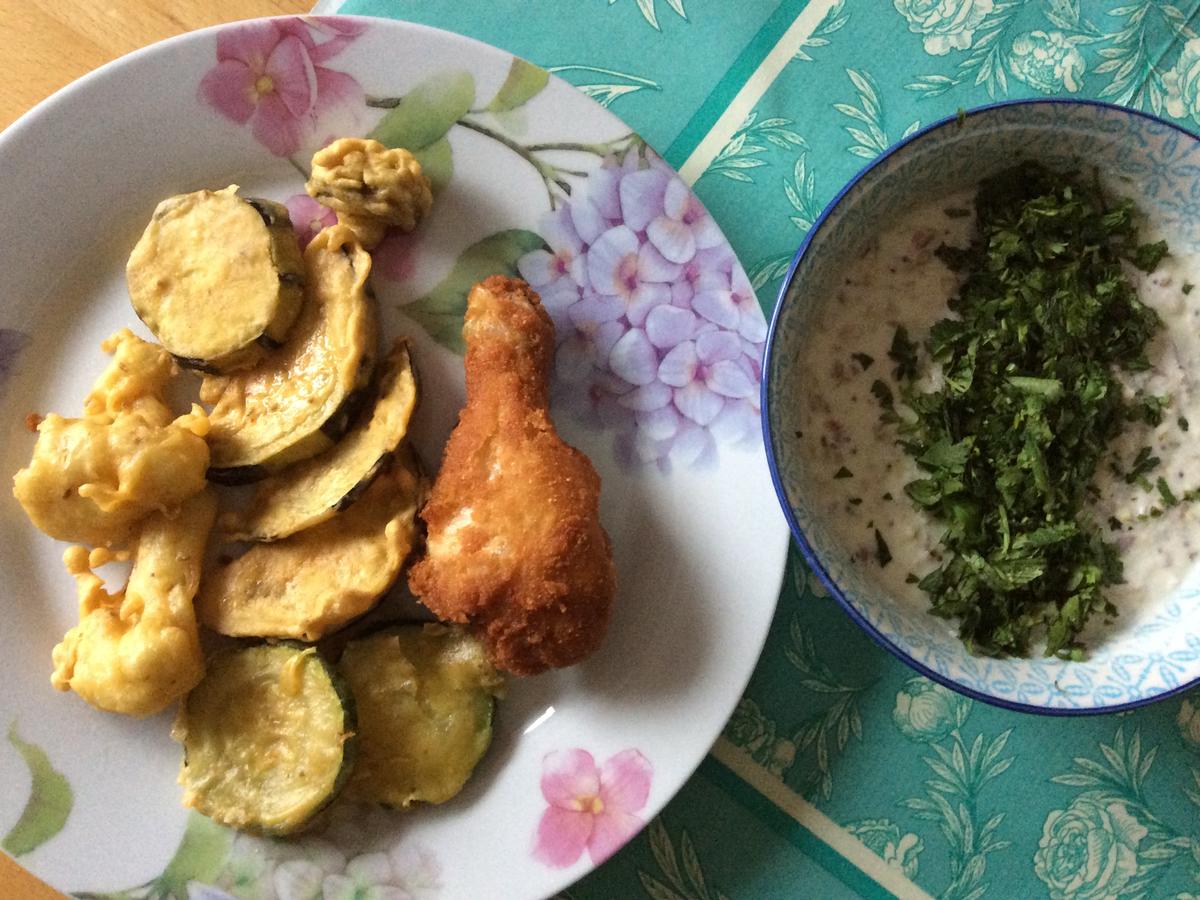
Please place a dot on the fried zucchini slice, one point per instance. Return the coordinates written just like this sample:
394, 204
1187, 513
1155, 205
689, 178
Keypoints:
425, 696
319, 579
218, 278
314, 490
300, 399
268, 738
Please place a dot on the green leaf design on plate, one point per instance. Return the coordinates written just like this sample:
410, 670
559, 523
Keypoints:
49, 804
427, 112
524, 82
440, 312
437, 162
200, 857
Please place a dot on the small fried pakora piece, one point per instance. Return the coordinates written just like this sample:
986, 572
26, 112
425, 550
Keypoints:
370, 187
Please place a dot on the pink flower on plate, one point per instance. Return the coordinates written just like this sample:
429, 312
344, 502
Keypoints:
396, 257
308, 217
590, 808
269, 75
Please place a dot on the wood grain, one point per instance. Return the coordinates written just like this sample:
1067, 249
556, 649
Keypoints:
47, 44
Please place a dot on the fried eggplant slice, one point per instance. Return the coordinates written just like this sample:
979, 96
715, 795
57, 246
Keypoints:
300, 399
218, 278
317, 580
314, 490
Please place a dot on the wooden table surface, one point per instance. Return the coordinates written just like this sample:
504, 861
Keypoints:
48, 44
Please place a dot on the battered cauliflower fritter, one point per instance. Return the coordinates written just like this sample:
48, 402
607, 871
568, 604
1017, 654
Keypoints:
515, 547
138, 650
93, 478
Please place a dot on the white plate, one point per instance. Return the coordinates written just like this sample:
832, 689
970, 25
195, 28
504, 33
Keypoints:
697, 534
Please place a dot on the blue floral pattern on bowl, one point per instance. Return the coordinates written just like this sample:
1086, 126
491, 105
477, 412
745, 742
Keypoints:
1152, 161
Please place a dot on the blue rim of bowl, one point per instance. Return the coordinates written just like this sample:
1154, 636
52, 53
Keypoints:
806, 548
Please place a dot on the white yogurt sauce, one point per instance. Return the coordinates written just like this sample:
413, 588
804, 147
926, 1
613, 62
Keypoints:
898, 281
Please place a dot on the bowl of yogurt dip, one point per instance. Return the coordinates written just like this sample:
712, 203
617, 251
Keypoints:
870, 268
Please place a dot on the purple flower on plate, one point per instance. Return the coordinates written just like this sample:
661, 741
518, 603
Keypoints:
270, 75
660, 335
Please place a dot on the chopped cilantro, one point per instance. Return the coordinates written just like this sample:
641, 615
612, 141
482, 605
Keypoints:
955, 258
843, 472
1147, 256
855, 501
887, 402
903, 353
882, 554
1182, 423
1164, 491
888, 496
864, 360
1187, 287
1148, 408
1044, 321
1142, 464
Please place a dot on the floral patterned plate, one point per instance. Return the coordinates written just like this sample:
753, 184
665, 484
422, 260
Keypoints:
660, 341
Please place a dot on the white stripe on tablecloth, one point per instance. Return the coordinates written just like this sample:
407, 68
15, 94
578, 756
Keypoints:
752, 91
822, 827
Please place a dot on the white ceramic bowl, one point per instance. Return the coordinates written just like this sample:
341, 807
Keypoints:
1146, 655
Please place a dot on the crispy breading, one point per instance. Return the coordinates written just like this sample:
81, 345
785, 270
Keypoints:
515, 547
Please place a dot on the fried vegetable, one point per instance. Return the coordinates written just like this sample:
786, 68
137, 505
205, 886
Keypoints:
137, 651
300, 399
268, 738
425, 696
319, 579
93, 478
370, 186
218, 278
314, 490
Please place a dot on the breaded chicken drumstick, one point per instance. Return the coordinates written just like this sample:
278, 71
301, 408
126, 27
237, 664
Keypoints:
515, 546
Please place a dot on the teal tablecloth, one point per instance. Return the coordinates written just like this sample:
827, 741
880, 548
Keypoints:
841, 773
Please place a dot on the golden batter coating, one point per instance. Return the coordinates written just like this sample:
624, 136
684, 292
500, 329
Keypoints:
93, 478
370, 187
515, 546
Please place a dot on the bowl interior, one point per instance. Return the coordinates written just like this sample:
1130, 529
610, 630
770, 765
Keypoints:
1146, 652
